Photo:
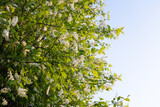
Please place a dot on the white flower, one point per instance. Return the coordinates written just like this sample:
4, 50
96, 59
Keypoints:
35, 89
51, 80
25, 51
5, 34
14, 21
83, 80
77, 22
72, 6
70, 18
45, 28
40, 37
80, 74
10, 75
22, 92
61, 1
7, 8
23, 43
103, 23
75, 48
108, 85
60, 92
75, 62
82, 38
91, 105
102, 1
87, 90
4, 102
60, 15
55, 12
96, 35
82, 58
75, 35
84, 24
66, 43
92, 42
75, 1
49, 3
114, 35
5, 90
66, 101
48, 90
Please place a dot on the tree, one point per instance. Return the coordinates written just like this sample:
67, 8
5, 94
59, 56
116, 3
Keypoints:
48, 53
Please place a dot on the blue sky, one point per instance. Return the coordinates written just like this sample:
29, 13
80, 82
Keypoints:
136, 55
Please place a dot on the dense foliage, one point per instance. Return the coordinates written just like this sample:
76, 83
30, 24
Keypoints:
48, 53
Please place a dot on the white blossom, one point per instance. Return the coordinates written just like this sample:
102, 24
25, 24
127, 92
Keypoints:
103, 23
60, 15
4, 102
52, 32
91, 105
49, 3
77, 94
10, 76
70, 18
75, 1
35, 89
108, 85
61, 1
87, 90
5, 90
102, 1
75, 35
40, 37
50, 12
114, 35
45, 28
77, 22
75, 62
80, 75
55, 12
14, 21
66, 43
47, 92
84, 24
60, 92
72, 6
5, 34
23, 43
22, 92
96, 35
7, 8
25, 51
51, 80
83, 80
66, 101
92, 42
82, 58
75, 48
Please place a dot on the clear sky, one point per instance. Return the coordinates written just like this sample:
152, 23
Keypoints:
136, 55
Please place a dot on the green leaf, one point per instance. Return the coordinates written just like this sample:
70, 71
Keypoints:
64, 74
95, 73
127, 99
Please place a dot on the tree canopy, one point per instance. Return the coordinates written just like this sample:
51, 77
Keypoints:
49, 53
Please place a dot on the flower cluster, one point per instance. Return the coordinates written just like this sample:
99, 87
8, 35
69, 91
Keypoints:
22, 92
10, 75
5, 90
4, 102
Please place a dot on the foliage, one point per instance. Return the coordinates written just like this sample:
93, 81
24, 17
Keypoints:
48, 53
